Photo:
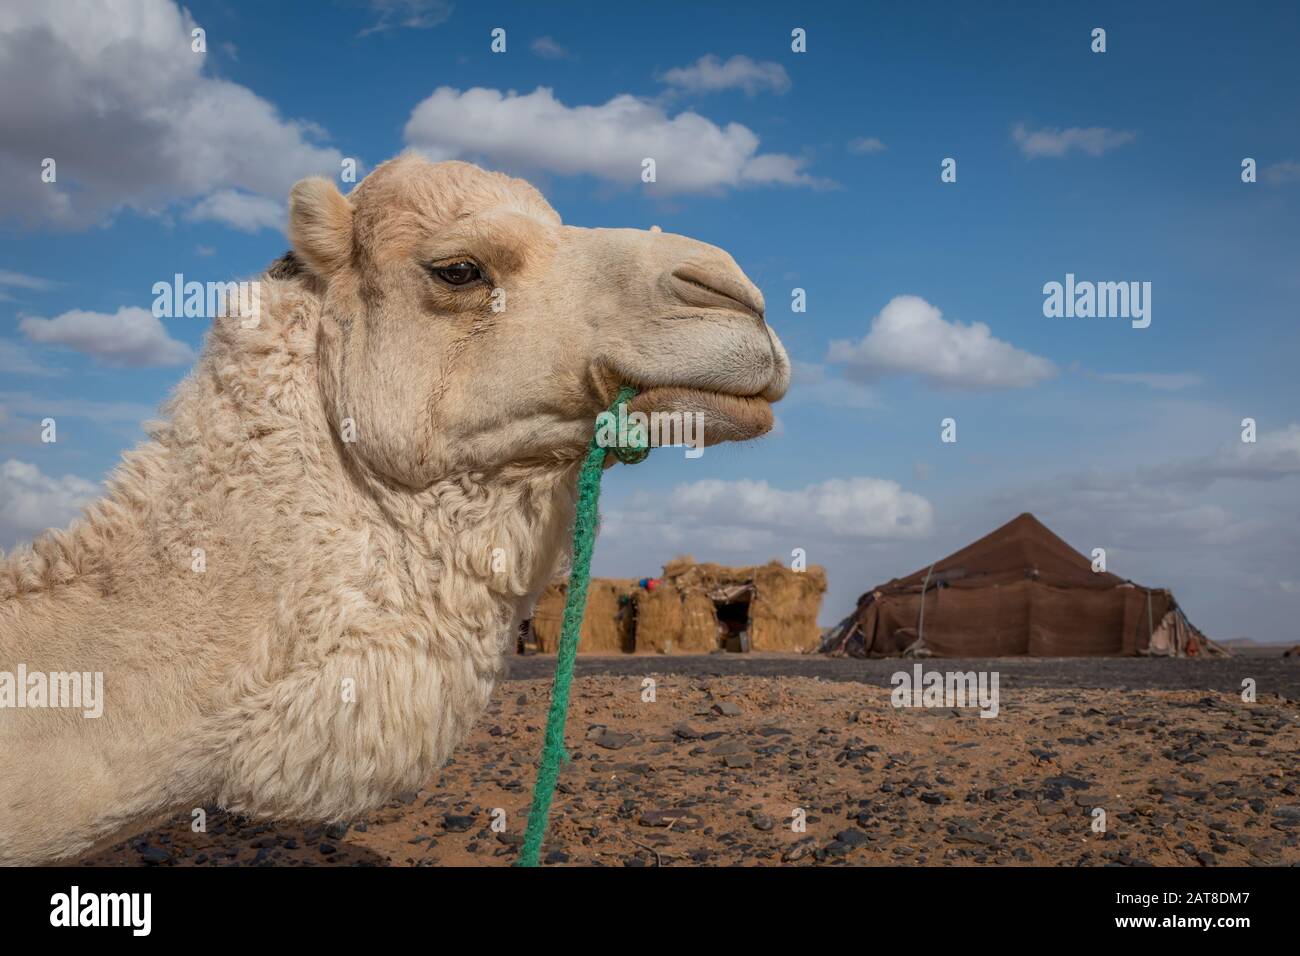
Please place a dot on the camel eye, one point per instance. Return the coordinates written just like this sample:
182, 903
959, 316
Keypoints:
457, 273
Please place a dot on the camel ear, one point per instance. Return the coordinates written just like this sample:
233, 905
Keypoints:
320, 225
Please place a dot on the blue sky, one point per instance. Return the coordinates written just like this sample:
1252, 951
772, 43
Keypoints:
1115, 166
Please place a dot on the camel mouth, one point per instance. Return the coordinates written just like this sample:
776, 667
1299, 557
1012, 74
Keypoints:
724, 416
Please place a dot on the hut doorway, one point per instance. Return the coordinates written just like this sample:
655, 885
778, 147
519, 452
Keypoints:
733, 623
626, 619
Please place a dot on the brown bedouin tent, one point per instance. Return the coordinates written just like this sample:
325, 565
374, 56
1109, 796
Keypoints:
1019, 590
692, 609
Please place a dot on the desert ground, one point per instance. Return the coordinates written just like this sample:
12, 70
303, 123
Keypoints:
793, 760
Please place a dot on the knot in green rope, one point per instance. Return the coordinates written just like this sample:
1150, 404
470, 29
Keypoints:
635, 451
631, 444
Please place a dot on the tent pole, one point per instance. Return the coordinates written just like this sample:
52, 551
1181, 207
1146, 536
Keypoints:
1151, 631
920, 621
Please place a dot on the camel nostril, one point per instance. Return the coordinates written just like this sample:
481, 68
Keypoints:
712, 288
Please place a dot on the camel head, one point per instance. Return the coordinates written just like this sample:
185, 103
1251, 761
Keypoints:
464, 326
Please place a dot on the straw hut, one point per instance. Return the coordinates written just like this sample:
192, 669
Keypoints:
607, 627
693, 609
707, 607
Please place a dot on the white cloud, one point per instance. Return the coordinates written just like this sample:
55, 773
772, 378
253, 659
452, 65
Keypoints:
16, 359
1163, 506
866, 144
536, 131
118, 140
407, 14
708, 74
31, 501
36, 407
549, 49
911, 337
131, 337
847, 507
243, 211
1160, 381
1127, 512
747, 515
18, 280
810, 381
1094, 140
1284, 171
1274, 454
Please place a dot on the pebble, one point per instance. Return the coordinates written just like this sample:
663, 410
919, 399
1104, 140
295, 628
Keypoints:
155, 855
611, 740
672, 819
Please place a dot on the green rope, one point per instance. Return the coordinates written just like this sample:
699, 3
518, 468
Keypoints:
584, 537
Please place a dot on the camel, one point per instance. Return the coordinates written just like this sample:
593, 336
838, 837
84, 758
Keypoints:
301, 588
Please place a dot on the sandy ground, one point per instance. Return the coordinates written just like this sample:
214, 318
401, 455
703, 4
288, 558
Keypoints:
725, 769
